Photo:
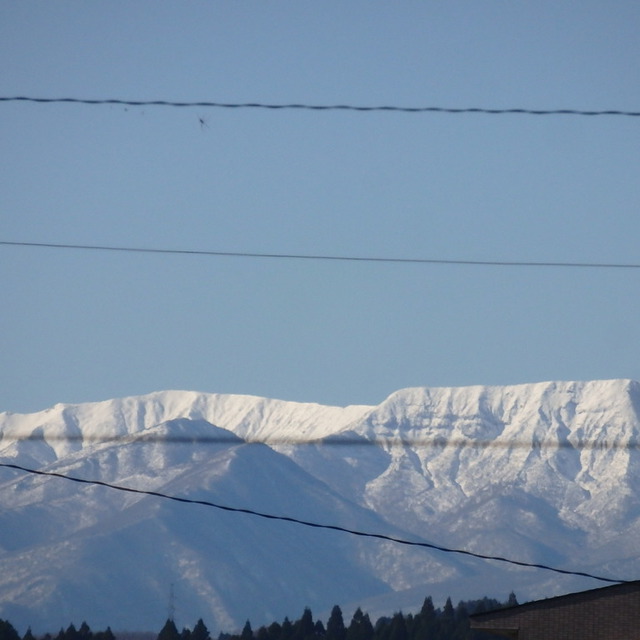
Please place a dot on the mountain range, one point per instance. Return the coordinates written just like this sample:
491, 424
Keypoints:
545, 473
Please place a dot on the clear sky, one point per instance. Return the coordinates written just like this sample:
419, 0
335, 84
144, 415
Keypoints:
80, 326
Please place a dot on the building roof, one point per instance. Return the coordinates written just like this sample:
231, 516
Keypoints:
565, 598
583, 614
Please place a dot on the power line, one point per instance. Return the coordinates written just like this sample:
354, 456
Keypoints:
324, 107
315, 525
326, 257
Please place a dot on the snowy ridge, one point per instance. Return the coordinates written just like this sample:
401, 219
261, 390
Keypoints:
249, 417
544, 472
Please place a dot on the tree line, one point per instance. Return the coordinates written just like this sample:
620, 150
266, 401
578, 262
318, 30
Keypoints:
8, 632
431, 623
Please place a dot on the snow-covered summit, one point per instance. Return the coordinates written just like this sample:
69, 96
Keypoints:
66, 427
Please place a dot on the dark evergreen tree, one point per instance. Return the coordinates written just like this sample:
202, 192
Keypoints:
484, 604
169, 631
398, 628
381, 628
428, 610
200, 631
28, 635
480, 606
71, 633
410, 622
103, 635
461, 629
447, 620
286, 631
247, 632
185, 634
335, 625
304, 629
7, 631
360, 627
275, 631
318, 629
425, 624
512, 601
84, 632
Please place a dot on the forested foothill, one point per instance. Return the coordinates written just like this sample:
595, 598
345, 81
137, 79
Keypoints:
431, 623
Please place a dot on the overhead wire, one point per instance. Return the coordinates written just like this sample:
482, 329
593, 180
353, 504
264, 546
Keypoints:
315, 525
323, 257
324, 107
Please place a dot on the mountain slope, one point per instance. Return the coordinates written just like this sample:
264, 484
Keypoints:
118, 544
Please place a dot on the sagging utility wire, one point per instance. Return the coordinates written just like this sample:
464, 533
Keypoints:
315, 525
324, 107
323, 257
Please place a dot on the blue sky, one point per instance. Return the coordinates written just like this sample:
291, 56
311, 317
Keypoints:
80, 326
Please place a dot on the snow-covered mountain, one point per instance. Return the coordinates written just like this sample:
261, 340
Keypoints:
542, 473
